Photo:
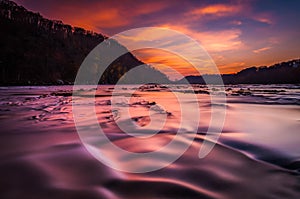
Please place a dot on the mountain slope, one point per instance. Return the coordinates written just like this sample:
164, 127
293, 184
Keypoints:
37, 51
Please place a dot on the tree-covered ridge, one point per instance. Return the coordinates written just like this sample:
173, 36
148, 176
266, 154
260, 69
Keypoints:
280, 73
35, 50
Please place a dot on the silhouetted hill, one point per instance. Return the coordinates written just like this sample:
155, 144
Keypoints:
36, 51
281, 73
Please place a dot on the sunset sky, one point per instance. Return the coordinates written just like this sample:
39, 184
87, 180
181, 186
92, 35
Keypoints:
237, 34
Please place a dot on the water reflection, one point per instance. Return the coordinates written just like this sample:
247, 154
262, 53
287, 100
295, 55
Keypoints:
42, 156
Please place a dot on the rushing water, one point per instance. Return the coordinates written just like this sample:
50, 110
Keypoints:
256, 156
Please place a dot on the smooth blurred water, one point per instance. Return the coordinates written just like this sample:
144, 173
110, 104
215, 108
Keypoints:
257, 155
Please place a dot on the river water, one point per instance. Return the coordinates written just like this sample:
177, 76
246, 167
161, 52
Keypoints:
256, 156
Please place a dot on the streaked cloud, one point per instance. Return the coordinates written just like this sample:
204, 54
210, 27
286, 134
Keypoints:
213, 41
265, 18
217, 10
262, 49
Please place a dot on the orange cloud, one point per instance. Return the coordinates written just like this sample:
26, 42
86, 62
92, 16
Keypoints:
213, 41
106, 18
148, 7
109, 18
217, 10
231, 67
102, 16
162, 58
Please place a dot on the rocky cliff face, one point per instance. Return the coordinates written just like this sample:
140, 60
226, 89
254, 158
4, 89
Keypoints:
37, 51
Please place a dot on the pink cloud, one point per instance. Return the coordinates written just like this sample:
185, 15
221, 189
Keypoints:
262, 49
